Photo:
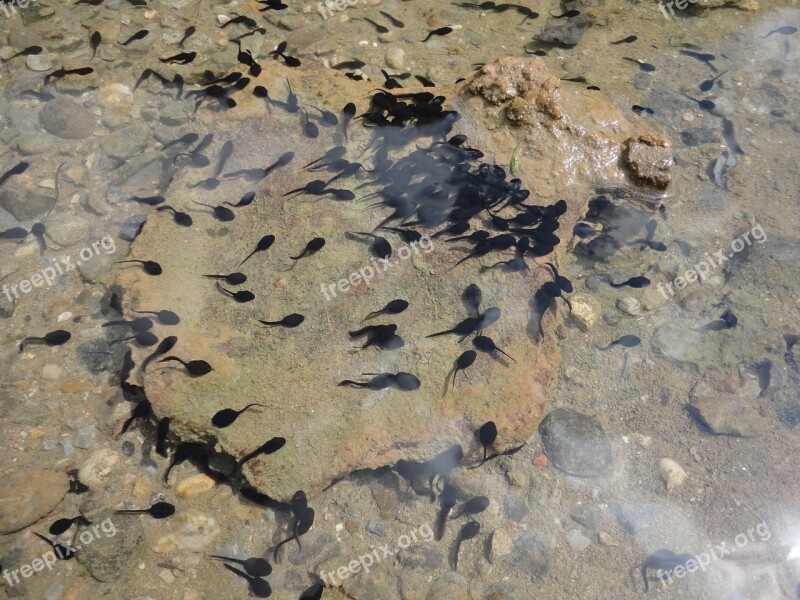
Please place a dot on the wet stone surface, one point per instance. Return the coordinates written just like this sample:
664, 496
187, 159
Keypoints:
575, 442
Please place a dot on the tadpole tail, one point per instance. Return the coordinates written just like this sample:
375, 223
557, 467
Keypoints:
275, 552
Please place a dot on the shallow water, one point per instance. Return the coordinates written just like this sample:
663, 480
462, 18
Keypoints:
577, 505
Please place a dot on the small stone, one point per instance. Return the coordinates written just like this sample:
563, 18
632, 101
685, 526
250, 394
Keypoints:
39, 62
630, 306
575, 442
722, 107
672, 473
193, 486
28, 495
386, 500
128, 448
583, 313
587, 515
141, 489
47, 11
395, 57
67, 119
634, 518
577, 541
115, 96
376, 528
606, 539
71, 388
84, 437
501, 545
351, 526
98, 466
166, 576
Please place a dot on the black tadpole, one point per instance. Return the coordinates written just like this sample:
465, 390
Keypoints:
53, 338
227, 416
255, 566
195, 368
148, 266
159, 510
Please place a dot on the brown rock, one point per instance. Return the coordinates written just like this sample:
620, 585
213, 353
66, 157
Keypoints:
67, 119
334, 430
386, 500
27, 496
648, 160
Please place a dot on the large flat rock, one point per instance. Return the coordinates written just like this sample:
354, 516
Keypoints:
333, 430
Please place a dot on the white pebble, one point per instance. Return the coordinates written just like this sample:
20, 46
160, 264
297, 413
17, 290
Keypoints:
672, 473
65, 316
395, 57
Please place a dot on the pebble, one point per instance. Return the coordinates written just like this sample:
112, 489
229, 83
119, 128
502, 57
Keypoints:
501, 545
193, 486
635, 518
587, 515
606, 539
395, 57
67, 119
128, 448
84, 437
722, 107
630, 306
27, 496
376, 528
39, 62
115, 96
73, 387
583, 314
98, 466
577, 541
575, 443
672, 473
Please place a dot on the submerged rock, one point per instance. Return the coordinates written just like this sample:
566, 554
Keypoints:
576, 443
27, 496
332, 430
67, 119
